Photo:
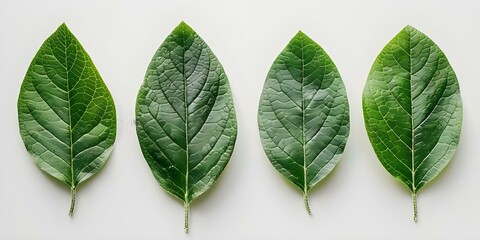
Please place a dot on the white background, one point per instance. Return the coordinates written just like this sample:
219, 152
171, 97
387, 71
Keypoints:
359, 200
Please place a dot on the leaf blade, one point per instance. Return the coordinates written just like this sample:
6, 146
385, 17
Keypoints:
59, 107
412, 109
186, 100
303, 114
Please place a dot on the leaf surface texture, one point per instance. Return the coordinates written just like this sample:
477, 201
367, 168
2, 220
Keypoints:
185, 117
412, 109
66, 113
303, 114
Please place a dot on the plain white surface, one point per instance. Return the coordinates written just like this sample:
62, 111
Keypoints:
359, 200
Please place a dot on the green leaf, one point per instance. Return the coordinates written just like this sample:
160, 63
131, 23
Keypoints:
303, 114
412, 109
186, 122
65, 112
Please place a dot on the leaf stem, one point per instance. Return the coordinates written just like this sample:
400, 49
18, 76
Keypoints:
305, 201
186, 205
72, 205
414, 199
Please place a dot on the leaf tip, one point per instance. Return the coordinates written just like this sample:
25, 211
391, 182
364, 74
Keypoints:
183, 28
183, 25
63, 28
409, 28
300, 34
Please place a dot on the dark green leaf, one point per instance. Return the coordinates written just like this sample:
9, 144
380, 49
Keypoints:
303, 114
66, 113
412, 109
186, 121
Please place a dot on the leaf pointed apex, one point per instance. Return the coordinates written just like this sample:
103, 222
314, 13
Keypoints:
184, 25
300, 34
63, 28
409, 29
183, 28
302, 37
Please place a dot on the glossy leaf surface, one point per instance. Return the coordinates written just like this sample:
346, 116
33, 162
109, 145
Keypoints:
185, 117
65, 112
412, 109
303, 114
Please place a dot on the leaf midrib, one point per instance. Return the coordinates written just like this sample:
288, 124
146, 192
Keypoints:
412, 148
305, 187
72, 181
186, 116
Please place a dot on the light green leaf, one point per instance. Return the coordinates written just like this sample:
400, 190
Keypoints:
186, 122
412, 109
65, 112
303, 114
